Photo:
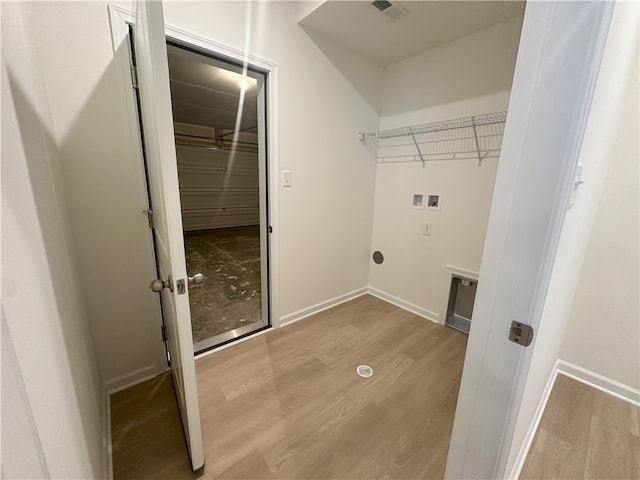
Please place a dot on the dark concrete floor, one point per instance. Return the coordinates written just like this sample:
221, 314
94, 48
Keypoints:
229, 297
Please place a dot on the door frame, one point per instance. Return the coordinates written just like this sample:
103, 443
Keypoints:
120, 19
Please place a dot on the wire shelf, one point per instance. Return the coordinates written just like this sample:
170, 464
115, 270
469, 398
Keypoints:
476, 137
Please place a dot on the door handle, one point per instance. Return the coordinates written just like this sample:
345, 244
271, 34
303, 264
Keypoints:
158, 284
197, 279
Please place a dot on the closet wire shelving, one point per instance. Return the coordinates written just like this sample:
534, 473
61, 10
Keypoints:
475, 137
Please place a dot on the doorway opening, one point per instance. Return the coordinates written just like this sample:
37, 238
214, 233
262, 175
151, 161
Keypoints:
219, 113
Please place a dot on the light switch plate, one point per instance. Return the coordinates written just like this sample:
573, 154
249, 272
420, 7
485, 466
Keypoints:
286, 178
426, 228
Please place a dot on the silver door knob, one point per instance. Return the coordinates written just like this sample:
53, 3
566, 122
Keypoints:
197, 279
158, 285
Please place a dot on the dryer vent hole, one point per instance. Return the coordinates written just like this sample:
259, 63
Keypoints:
364, 371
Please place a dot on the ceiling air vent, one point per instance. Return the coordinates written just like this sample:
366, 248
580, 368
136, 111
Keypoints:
392, 11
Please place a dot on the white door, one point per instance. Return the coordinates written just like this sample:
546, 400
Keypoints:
559, 58
160, 155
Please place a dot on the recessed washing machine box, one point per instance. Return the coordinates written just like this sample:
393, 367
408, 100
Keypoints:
462, 296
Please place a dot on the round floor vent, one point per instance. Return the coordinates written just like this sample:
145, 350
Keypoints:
364, 371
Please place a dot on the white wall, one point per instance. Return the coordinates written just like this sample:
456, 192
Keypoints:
102, 174
325, 217
603, 333
612, 124
471, 75
56, 425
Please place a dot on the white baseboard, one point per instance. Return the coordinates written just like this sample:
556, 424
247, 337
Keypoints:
600, 382
107, 456
319, 307
533, 428
398, 302
130, 379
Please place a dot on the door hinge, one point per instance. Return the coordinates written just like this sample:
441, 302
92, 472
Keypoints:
521, 333
134, 76
163, 329
577, 181
149, 213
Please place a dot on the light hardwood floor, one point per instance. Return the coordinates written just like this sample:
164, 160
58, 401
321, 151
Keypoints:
146, 434
289, 404
584, 433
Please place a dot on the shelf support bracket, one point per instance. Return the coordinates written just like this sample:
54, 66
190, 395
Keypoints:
475, 137
410, 133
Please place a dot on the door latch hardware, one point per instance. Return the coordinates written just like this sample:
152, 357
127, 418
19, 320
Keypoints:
164, 333
197, 279
181, 286
158, 284
521, 333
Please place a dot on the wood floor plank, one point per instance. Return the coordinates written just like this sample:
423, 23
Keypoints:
571, 420
418, 449
552, 458
438, 372
147, 438
616, 411
334, 454
434, 451
250, 466
613, 452
254, 419
584, 433
367, 345
330, 412
432, 336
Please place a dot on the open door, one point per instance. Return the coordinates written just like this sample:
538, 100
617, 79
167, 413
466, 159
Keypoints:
559, 57
160, 157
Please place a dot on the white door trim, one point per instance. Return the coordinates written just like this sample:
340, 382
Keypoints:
120, 18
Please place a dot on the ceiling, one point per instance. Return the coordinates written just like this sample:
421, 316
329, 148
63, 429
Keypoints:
205, 93
362, 28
